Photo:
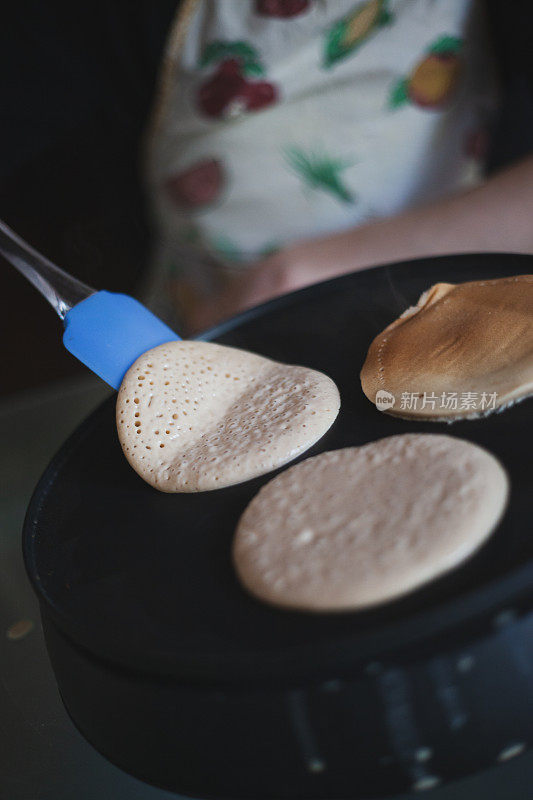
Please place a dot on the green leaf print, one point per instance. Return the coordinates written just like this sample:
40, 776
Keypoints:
346, 35
446, 44
269, 249
385, 17
214, 51
248, 57
189, 235
226, 248
400, 93
253, 69
320, 171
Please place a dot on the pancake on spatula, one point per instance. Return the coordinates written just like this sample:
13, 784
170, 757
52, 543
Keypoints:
193, 416
356, 527
464, 350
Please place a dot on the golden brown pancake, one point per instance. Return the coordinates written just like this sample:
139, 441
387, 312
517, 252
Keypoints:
464, 350
356, 527
193, 416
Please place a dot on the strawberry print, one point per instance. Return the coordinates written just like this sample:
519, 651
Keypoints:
198, 186
350, 32
433, 81
229, 92
284, 9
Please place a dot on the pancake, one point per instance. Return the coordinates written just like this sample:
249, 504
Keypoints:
463, 351
193, 416
352, 528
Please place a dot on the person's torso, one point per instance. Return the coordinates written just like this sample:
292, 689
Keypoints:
287, 119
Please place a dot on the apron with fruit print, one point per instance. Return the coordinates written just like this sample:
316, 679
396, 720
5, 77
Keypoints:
280, 120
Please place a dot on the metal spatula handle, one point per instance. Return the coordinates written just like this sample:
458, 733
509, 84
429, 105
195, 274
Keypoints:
60, 289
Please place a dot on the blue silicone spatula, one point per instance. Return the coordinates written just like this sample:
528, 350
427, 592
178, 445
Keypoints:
104, 330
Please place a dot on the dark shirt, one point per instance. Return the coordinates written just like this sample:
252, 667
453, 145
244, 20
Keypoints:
511, 34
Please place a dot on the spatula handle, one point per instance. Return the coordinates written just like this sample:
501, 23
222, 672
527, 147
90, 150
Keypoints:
60, 289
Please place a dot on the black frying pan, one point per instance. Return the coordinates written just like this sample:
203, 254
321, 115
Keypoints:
175, 674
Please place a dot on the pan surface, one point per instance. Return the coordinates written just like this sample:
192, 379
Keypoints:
146, 577
144, 581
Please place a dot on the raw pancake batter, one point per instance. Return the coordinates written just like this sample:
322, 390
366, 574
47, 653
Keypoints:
462, 351
355, 527
193, 416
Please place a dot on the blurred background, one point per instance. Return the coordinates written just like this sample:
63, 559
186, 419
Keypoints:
77, 91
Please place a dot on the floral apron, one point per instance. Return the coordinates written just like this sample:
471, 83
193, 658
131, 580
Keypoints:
279, 120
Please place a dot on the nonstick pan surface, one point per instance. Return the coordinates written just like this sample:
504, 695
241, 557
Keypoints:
144, 579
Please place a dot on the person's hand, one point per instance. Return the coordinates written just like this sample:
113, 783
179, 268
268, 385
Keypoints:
490, 217
282, 272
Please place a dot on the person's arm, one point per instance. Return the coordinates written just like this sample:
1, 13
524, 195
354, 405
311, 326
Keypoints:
496, 216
